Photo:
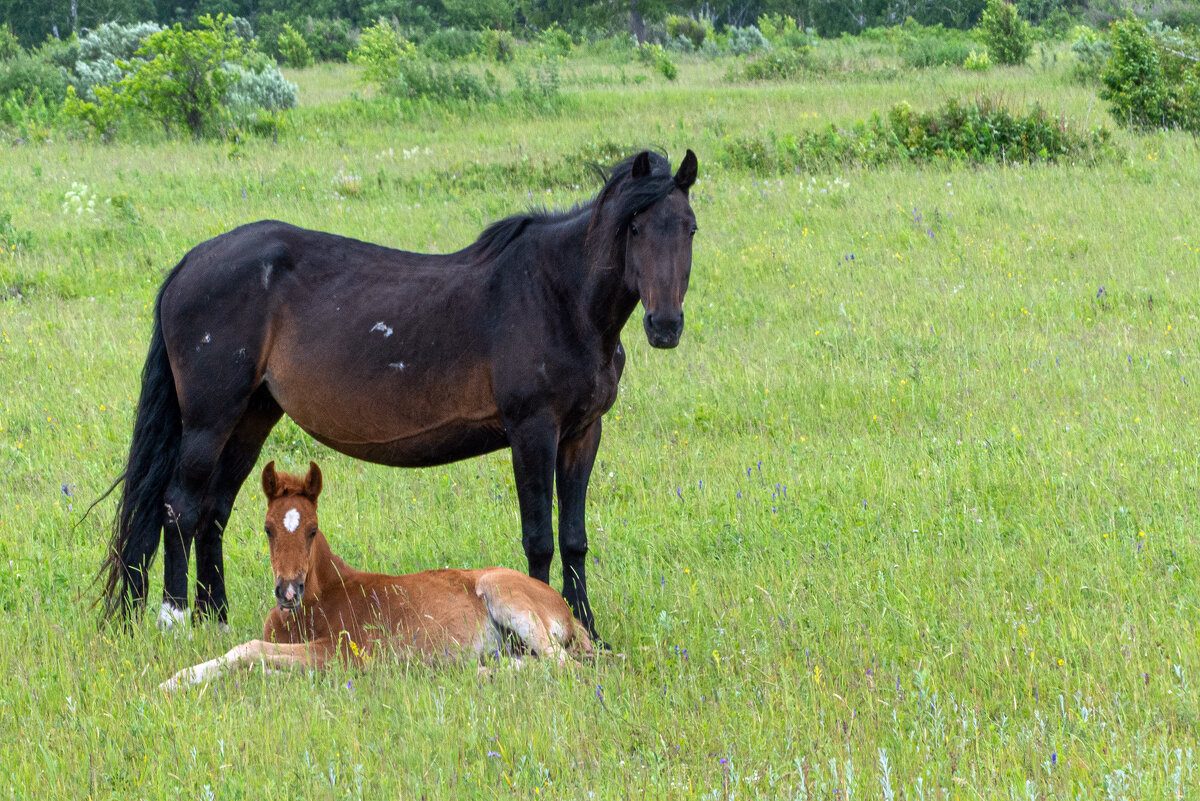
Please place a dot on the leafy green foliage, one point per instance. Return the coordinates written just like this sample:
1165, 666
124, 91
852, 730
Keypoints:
779, 65
10, 45
692, 29
293, 50
184, 77
1152, 80
978, 62
1091, 49
922, 46
498, 46
451, 44
1006, 35
380, 51
743, 41
977, 132
102, 52
26, 76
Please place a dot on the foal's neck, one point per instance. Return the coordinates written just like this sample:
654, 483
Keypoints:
327, 570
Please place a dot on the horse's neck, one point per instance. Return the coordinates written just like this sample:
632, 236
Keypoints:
610, 303
606, 299
327, 568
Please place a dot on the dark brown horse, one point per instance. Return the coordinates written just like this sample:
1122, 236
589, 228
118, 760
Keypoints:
399, 358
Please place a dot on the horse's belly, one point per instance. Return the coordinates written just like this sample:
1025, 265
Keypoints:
441, 445
389, 422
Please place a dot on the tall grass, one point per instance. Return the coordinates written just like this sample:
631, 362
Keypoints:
909, 513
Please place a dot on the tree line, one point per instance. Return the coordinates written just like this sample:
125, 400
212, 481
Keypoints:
35, 20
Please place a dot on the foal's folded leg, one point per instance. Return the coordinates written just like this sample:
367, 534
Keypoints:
245, 656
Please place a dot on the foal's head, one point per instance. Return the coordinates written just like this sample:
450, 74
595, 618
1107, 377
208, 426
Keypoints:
658, 250
291, 528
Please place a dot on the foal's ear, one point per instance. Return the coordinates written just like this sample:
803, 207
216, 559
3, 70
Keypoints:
312, 482
270, 481
641, 165
687, 172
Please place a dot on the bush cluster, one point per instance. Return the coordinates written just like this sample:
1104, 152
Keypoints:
977, 132
1006, 35
1152, 78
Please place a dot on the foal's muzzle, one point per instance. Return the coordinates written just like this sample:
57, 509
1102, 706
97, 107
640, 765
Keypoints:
289, 593
663, 329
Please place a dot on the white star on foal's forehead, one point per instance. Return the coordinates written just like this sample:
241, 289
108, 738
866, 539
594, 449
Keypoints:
291, 520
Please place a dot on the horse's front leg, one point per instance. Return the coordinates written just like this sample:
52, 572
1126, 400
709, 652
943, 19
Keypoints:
275, 655
574, 468
534, 443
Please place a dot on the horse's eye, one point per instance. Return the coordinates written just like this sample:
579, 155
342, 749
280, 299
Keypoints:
692, 231
312, 533
268, 530
633, 228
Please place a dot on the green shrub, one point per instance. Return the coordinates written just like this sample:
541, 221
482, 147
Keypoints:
328, 39
925, 51
179, 81
778, 65
743, 41
666, 67
977, 132
380, 51
1092, 50
451, 44
691, 29
1004, 32
257, 88
292, 48
1152, 78
102, 51
656, 57
555, 41
10, 45
27, 77
978, 62
497, 46
538, 89
439, 82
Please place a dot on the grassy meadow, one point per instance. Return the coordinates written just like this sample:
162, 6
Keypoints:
909, 513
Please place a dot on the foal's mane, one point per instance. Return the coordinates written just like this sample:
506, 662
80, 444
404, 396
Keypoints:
288, 484
611, 211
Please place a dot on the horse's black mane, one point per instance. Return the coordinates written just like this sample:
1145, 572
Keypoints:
612, 210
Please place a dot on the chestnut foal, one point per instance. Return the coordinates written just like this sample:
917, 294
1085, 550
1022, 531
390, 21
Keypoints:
327, 609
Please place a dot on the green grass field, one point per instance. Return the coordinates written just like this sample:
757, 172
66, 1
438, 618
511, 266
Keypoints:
909, 513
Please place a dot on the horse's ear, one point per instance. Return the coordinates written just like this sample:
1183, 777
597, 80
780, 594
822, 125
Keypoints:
270, 481
312, 482
687, 172
641, 165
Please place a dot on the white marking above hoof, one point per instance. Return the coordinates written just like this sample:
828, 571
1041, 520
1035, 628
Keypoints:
171, 618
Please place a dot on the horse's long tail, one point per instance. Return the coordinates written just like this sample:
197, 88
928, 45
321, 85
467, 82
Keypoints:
153, 454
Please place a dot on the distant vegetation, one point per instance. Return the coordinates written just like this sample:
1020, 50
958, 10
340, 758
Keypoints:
219, 76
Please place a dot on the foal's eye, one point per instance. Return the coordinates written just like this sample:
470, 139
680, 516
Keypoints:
267, 529
312, 533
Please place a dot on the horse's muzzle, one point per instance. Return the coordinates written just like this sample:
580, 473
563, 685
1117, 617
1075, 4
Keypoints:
663, 329
289, 593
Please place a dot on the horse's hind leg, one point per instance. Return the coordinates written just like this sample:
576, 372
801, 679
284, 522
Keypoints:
511, 607
209, 419
237, 460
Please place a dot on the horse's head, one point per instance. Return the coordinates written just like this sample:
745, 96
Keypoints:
291, 529
658, 249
